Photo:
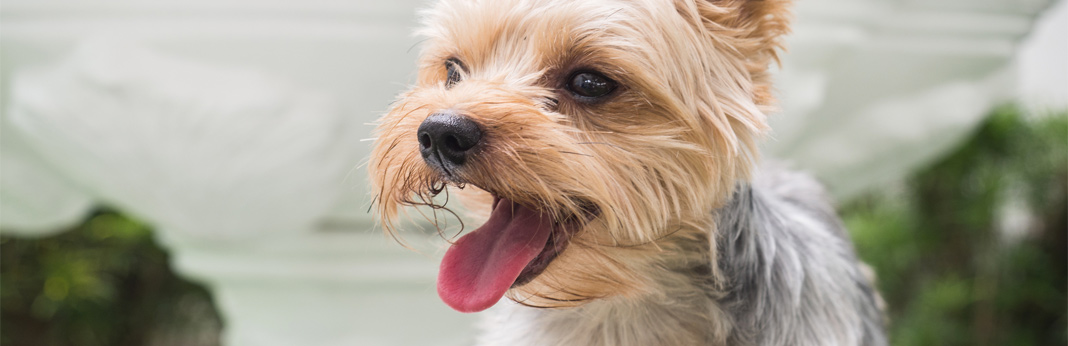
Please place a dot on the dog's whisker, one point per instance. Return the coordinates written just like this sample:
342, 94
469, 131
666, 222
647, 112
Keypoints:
372, 204
609, 16
574, 153
416, 44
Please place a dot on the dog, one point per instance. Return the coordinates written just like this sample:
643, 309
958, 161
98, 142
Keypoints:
611, 149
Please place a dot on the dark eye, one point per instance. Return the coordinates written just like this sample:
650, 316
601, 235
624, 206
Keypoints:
587, 84
452, 72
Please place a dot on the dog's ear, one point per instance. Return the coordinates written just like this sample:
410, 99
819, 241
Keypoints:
744, 37
751, 29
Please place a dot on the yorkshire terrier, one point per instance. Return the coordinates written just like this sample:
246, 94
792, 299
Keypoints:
612, 148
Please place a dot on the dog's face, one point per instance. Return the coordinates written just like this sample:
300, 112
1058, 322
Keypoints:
587, 131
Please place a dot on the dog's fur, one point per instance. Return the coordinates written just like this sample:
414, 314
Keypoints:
681, 242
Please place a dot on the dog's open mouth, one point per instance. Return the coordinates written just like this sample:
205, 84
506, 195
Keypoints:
515, 245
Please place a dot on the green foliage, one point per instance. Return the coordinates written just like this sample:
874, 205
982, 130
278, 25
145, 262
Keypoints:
972, 249
102, 283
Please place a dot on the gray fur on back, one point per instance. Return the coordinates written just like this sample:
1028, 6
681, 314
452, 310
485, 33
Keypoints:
794, 277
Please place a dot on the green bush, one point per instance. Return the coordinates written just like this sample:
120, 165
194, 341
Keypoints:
105, 283
971, 250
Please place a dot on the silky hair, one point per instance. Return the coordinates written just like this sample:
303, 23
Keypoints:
660, 168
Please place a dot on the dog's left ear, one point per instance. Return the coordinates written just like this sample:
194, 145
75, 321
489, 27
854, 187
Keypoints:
751, 29
745, 38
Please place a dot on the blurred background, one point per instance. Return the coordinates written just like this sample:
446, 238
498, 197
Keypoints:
189, 172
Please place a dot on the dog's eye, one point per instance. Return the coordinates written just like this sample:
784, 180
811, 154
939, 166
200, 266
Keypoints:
452, 72
587, 84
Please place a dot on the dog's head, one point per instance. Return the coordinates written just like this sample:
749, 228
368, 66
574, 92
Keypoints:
585, 130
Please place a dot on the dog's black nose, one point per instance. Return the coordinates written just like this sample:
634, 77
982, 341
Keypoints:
446, 139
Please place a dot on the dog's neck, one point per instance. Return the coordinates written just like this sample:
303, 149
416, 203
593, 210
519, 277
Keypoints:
780, 253
682, 311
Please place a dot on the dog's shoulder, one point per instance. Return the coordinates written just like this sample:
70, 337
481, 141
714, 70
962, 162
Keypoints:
793, 276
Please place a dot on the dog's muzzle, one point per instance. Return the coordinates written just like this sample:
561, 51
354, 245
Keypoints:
447, 140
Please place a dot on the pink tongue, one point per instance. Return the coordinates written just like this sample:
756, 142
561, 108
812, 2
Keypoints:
480, 267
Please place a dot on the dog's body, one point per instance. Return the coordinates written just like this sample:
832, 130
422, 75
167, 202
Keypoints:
794, 281
610, 145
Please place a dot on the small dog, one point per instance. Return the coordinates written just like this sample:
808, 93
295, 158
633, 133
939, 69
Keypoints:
612, 146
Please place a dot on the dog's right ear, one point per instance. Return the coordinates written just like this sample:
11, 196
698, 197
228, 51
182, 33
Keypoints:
752, 29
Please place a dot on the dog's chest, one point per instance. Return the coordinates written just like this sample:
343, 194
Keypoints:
616, 322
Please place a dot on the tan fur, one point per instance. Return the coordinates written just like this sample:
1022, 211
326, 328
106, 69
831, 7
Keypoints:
655, 159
